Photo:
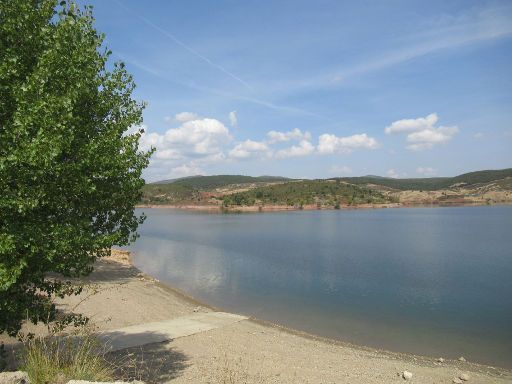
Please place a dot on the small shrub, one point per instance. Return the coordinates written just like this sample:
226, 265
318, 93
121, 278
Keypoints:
55, 360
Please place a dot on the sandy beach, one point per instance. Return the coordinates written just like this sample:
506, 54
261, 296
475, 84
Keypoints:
250, 351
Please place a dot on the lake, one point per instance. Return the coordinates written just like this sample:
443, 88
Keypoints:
430, 281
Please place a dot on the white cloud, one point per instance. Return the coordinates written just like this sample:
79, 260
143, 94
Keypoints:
183, 117
196, 142
295, 134
249, 149
340, 170
392, 173
328, 143
233, 119
427, 138
412, 125
426, 171
168, 154
422, 132
303, 149
149, 140
201, 137
186, 170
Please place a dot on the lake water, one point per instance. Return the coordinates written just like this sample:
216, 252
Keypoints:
430, 281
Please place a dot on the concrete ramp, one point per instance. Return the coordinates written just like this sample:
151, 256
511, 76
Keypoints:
148, 333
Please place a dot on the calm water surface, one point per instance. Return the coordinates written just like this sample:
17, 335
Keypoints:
432, 281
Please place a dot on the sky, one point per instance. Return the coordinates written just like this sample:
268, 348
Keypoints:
316, 89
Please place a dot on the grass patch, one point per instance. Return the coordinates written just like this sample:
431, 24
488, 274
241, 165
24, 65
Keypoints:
58, 360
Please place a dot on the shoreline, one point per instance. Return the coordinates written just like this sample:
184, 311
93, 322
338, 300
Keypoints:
404, 356
286, 208
266, 208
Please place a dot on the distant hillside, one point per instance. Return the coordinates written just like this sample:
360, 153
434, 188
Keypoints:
170, 193
201, 189
217, 181
431, 183
482, 187
306, 192
170, 181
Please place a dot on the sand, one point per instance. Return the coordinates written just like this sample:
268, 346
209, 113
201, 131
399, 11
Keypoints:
250, 351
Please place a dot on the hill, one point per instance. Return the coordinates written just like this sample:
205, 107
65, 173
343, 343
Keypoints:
217, 181
322, 193
431, 183
481, 187
197, 190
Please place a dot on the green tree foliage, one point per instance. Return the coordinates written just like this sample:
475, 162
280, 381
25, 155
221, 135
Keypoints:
169, 194
298, 193
70, 174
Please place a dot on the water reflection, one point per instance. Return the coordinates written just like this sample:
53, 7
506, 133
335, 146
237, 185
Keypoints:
430, 281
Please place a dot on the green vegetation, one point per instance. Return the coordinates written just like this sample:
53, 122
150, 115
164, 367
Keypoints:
432, 183
58, 360
217, 181
300, 193
169, 194
70, 175
194, 190
281, 191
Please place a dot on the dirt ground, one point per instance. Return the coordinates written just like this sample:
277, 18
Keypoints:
250, 351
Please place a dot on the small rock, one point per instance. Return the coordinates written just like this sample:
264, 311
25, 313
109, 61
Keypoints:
464, 376
456, 380
407, 375
440, 360
462, 358
17, 377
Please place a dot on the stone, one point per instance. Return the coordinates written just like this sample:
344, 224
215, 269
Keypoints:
456, 380
17, 377
407, 375
462, 359
464, 376
440, 360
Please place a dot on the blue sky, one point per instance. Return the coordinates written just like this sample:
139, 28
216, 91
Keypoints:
318, 88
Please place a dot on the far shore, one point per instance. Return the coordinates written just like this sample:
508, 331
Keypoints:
311, 207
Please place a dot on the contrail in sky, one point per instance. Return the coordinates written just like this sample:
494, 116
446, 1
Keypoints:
253, 100
183, 45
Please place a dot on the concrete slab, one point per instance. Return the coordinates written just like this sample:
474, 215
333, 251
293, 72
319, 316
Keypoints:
148, 333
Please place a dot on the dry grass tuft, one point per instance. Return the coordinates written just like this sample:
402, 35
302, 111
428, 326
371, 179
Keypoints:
58, 360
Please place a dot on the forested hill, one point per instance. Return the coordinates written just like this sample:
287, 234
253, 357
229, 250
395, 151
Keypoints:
217, 181
238, 190
431, 183
308, 192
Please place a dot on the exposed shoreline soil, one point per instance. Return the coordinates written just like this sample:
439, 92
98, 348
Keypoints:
312, 207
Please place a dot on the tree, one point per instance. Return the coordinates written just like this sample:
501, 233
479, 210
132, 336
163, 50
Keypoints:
70, 170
